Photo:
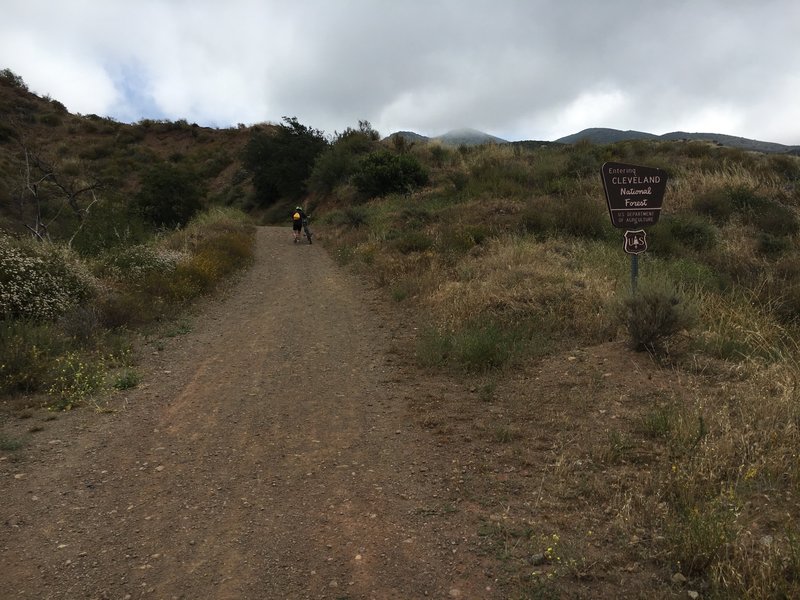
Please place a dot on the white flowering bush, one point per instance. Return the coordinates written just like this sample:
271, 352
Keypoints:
39, 281
133, 262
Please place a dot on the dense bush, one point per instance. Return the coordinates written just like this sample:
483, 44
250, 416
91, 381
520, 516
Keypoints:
169, 195
716, 203
109, 225
384, 172
337, 163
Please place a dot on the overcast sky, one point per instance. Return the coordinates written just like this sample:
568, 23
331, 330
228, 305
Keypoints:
518, 69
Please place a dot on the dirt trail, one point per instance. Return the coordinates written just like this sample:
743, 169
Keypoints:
270, 453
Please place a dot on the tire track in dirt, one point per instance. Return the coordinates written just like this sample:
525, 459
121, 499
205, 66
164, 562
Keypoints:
230, 475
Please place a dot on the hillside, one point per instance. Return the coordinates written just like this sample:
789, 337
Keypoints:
90, 150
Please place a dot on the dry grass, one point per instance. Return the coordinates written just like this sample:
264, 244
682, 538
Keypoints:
516, 278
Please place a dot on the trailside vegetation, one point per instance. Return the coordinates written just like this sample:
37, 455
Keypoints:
507, 255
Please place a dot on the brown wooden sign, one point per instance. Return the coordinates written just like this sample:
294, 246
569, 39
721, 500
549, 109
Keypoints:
633, 193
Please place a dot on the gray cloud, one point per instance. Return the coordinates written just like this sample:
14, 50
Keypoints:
519, 69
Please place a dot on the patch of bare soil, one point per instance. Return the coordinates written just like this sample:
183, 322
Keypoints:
287, 447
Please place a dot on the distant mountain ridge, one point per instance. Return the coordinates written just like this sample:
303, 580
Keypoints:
601, 135
456, 137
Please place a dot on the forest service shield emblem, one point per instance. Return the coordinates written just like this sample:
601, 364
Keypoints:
635, 241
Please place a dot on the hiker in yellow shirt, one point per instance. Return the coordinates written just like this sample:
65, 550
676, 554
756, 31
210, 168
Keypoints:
298, 218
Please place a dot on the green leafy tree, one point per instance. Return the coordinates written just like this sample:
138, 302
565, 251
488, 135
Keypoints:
170, 195
335, 166
281, 160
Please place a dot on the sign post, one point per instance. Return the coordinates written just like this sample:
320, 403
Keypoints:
634, 195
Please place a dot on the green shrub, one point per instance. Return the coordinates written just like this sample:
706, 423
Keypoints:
785, 166
11, 79
81, 324
7, 133
338, 162
169, 195
433, 347
773, 245
744, 199
690, 273
384, 172
693, 232
51, 120
412, 241
351, 216
476, 347
585, 159
133, 307
716, 204
775, 219
697, 538
109, 225
8, 444
127, 380
768, 215
677, 234
653, 316
483, 346
461, 239
96, 151
659, 422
